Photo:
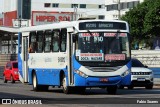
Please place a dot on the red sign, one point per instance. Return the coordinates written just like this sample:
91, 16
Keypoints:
42, 18
39, 17
114, 34
111, 57
88, 34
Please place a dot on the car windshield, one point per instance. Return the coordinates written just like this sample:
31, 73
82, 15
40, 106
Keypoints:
15, 65
136, 63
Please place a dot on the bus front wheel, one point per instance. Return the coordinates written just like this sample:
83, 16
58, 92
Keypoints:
66, 89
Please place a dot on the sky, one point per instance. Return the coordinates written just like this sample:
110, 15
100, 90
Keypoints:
1, 6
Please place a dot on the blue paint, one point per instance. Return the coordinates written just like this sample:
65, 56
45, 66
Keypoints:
95, 81
129, 64
156, 72
126, 80
46, 76
76, 64
19, 57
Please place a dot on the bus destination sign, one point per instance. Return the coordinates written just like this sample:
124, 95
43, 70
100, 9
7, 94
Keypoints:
102, 25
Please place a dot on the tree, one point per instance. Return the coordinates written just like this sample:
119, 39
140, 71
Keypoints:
144, 20
152, 20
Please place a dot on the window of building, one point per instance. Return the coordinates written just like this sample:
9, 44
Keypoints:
130, 4
55, 41
123, 5
135, 3
32, 42
47, 41
100, 6
82, 5
63, 40
40, 35
114, 6
47, 4
74, 5
55, 5
101, 17
109, 7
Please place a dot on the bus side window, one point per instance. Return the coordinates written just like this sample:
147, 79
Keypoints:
40, 35
55, 41
63, 38
32, 42
47, 41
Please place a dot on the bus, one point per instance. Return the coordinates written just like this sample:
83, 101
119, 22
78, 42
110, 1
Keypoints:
75, 55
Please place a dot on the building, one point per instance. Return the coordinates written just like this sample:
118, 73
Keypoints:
117, 8
20, 13
48, 11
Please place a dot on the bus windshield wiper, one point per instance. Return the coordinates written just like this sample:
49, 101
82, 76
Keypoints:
90, 33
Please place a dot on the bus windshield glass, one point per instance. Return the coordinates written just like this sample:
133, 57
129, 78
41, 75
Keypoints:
102, 47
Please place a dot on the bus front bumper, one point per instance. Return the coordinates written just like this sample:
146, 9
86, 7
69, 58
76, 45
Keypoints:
97, 81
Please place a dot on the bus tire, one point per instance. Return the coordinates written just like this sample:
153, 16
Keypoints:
112, 89
36, 87
66, 89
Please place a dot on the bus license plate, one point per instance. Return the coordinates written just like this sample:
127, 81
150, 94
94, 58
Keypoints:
104, 79
141, 79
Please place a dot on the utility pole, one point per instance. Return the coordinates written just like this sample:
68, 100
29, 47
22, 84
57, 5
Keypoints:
119, 9
75, 12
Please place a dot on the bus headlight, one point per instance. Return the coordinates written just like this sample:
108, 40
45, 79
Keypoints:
125, 73
81, 73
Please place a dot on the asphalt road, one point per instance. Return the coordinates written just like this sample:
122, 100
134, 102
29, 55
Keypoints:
93, 96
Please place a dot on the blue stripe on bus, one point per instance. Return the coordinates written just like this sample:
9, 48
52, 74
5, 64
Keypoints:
129, 64
19, 57
76, 64
46, 76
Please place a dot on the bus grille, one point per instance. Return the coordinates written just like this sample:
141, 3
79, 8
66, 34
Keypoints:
103, 69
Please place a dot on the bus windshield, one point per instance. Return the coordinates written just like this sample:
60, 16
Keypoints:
102, 47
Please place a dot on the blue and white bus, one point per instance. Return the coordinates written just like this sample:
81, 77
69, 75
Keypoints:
75, 55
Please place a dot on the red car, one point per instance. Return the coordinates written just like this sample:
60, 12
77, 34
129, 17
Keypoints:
11, 72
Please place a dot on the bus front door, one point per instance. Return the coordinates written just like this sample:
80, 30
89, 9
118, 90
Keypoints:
70, 49
25, 56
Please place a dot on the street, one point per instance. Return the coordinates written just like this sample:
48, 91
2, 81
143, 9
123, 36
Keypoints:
19, 91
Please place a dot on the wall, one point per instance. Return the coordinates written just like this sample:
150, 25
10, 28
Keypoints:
38, 5
151, 58
8, 18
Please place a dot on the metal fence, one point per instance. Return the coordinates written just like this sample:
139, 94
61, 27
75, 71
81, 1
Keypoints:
1, 71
